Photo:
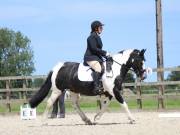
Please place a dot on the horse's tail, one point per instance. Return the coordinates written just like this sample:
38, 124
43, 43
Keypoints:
42, 93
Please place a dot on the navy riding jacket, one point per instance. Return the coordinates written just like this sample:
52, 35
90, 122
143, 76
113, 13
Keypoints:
94, 50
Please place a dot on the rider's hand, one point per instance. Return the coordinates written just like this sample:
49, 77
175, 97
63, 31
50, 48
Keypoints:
108, 55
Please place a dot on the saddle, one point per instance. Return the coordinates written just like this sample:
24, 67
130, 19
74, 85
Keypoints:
85, 72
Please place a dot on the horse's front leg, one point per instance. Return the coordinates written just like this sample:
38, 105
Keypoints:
120, 99
75, 100
104, 102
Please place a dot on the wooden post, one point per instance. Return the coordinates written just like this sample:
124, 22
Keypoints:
159, 43
8, 94
139, 97
24, 92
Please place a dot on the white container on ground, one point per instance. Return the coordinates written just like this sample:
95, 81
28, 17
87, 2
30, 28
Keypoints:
27, 113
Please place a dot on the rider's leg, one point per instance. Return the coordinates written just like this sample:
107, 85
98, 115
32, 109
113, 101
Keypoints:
95, 65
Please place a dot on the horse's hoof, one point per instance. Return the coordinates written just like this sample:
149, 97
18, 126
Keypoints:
44, 124
132, 122
88, 122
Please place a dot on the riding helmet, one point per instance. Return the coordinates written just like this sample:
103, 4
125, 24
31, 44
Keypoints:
96, 24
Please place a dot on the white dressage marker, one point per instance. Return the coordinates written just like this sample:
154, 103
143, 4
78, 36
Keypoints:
170, 115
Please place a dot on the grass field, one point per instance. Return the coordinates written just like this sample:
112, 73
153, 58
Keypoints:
91, 105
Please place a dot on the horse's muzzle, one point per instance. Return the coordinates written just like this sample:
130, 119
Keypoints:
143, 75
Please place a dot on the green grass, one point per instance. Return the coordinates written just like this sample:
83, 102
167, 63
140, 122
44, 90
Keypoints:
173, 104
91, 105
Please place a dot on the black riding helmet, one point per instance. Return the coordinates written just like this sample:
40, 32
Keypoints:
95, 25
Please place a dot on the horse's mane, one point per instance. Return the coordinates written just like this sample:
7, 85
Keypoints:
121, 51
122, 56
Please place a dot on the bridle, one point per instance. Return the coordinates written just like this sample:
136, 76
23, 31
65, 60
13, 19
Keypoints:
127, 67
124, 65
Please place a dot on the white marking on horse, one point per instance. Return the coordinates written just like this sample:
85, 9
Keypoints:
54, 75
122, 58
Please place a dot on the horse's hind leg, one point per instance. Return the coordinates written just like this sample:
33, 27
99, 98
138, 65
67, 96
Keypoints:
104, 101
54, 95
75, 100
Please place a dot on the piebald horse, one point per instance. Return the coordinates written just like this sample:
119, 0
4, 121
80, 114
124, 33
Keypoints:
65, 76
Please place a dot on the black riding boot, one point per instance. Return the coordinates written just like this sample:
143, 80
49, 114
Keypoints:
97, 88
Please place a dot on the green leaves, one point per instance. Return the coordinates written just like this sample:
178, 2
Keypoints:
16, 55
174, 76
129, 78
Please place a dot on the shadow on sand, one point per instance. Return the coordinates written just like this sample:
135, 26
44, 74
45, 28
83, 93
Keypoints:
94, 124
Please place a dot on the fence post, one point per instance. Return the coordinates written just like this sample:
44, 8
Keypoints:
139, 97
8, 94
160, 61
24, 92
161, 104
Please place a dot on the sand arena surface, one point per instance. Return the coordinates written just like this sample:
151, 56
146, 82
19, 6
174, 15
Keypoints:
147, 123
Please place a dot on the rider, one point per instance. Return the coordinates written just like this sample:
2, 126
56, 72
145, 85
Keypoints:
94, 54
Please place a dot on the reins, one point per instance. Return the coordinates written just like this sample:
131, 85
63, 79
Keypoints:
121, 65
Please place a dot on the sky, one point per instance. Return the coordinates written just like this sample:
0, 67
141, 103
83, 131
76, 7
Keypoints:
58, 29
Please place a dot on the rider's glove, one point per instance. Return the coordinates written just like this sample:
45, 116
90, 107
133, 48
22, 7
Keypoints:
108, 55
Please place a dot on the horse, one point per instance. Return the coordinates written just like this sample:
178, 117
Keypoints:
66, 76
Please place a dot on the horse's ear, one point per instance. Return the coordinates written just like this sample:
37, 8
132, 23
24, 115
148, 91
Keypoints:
142, 52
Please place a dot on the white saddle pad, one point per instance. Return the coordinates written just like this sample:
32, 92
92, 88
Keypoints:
84, 73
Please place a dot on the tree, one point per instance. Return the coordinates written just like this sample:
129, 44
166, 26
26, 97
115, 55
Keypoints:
16, 55
174, 76
129, 78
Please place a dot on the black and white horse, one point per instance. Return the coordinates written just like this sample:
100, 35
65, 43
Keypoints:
68, 75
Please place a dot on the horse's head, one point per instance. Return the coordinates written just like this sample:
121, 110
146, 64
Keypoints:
136, 62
